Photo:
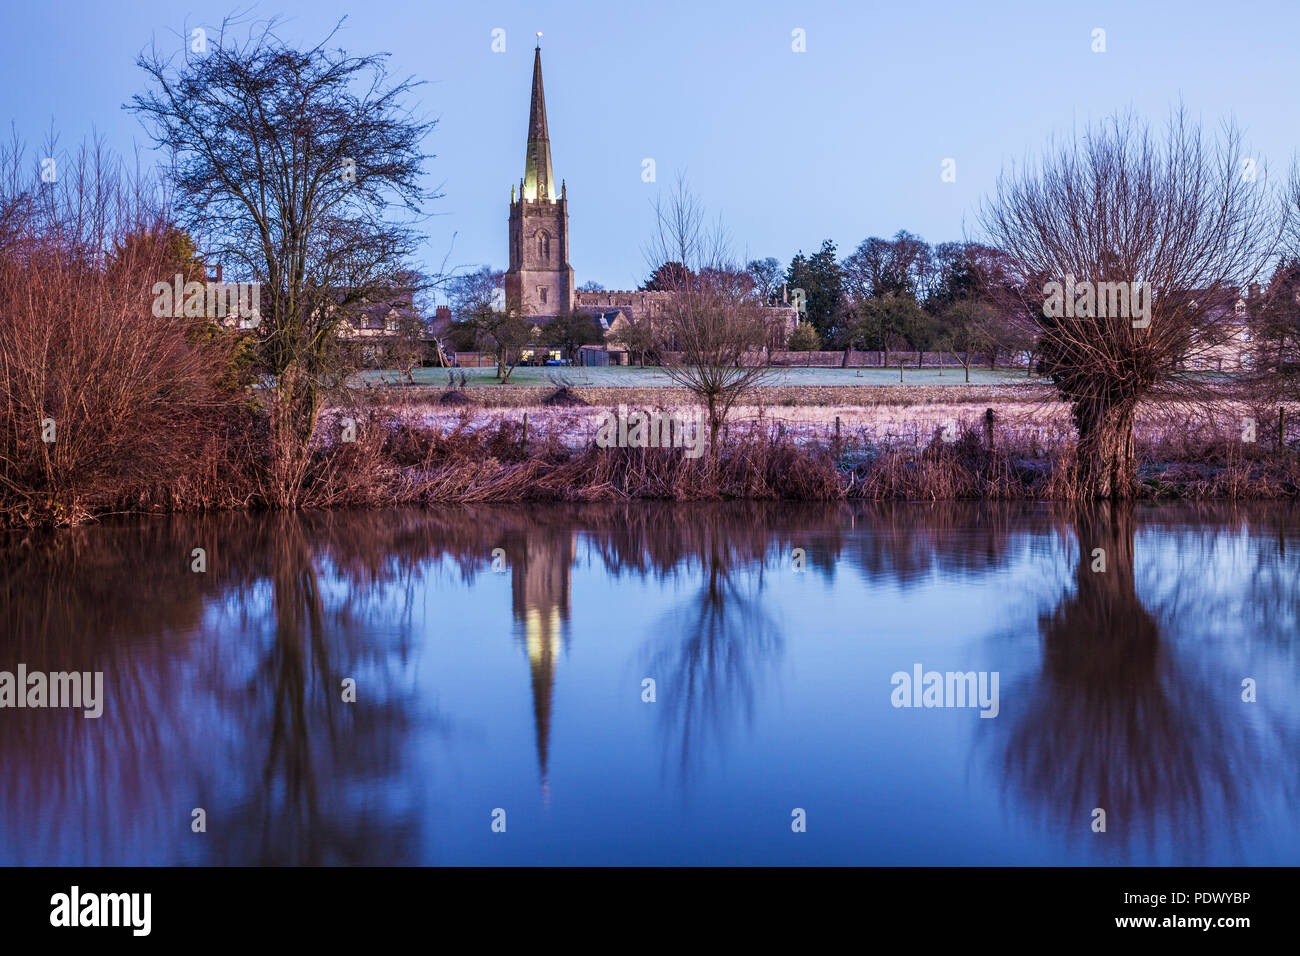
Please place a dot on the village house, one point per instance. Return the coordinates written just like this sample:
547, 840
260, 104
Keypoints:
373, 327
1226, 345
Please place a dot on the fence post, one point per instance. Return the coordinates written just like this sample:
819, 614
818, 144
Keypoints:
900, 370
988, 427
525, 433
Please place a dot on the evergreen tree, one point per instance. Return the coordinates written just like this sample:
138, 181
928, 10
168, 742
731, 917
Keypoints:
804, 338
822, 281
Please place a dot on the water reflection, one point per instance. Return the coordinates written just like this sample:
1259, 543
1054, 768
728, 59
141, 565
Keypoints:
713, 647
541, 567
225, 689
1122, 717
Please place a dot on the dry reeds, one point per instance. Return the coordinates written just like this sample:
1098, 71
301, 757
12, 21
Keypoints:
371, 458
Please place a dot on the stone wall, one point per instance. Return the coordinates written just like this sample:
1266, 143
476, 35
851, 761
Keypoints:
857, 359
527, 396
861, 359
635, 303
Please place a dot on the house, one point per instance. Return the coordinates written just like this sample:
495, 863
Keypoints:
1224, 343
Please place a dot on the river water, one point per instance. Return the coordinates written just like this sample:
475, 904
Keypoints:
660, 684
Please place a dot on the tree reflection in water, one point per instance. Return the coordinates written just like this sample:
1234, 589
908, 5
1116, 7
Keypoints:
223, 689
1120, 718
709, 655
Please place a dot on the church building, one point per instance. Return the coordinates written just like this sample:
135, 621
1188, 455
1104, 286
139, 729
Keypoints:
539, 281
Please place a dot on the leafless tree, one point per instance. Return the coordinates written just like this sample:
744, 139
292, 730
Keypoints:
637, 334
1183, 216
477, 302
904, 264
407, 345
713, 317
966, 329
301, 171
1292, 207
767, 275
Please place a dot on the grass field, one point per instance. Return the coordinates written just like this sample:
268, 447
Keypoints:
632, 377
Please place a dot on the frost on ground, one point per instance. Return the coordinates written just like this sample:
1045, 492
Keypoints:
1037, 427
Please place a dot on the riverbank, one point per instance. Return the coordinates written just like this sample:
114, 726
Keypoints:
425, 455
551, 455
410, 452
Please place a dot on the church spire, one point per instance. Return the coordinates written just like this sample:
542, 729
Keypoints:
539, 183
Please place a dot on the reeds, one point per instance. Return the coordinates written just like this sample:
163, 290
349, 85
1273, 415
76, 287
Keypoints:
397, 456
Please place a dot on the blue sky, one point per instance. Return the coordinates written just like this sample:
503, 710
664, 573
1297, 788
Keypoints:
843, 141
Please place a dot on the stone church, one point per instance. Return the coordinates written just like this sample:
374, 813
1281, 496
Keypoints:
539, 281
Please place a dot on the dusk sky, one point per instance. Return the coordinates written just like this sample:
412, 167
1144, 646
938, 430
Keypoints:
843, 141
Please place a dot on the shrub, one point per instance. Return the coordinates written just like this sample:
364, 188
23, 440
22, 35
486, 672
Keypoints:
102, 403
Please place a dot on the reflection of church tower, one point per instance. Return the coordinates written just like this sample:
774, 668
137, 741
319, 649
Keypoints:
540, 279
539, 588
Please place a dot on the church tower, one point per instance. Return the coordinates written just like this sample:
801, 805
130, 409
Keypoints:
540, 280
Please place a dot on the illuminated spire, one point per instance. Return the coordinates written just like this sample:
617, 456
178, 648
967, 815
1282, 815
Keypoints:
542, 630
539, 586
538, 179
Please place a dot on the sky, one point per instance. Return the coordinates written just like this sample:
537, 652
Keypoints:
844, 139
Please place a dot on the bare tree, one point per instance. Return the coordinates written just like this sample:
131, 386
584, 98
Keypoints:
713, 318
408, 344
478, 303
639, 336
966, 325
1291, 205
767, 275
1119, 215
301, 171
